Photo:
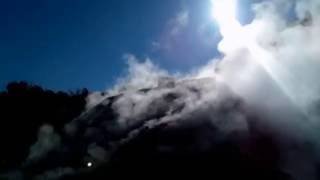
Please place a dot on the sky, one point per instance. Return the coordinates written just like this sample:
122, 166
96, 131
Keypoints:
248, 81
66, 45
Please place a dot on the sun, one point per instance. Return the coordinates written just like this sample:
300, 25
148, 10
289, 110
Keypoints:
224, 11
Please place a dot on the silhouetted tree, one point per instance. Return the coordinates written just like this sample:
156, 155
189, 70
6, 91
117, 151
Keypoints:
24, 108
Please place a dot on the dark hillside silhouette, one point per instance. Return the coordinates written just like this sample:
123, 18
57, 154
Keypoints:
24, 108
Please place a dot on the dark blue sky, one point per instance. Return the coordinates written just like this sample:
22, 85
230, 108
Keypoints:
69, 44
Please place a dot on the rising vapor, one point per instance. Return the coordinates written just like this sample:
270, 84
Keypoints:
253, 113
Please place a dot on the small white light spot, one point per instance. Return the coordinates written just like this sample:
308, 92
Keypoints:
89, 164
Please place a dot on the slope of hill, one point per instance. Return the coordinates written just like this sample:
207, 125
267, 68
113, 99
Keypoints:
195, 127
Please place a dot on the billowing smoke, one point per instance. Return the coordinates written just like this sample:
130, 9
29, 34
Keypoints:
252, 114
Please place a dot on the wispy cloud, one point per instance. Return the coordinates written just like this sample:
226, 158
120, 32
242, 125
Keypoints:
174, 27
180, 22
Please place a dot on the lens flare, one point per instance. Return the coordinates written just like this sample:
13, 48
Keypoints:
89, 164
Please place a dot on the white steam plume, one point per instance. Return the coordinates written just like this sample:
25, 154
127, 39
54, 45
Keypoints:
272, 63
271, 42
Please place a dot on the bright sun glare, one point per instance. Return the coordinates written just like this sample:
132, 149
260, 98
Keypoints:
235, 35
224, 11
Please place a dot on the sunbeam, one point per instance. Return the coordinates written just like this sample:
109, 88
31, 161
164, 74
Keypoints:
235, 36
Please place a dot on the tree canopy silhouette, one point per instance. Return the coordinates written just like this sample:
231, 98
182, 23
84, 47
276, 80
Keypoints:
24, 108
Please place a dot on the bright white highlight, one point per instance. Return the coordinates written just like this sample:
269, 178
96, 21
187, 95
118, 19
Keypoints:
224, 11
89, 164
235, 37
